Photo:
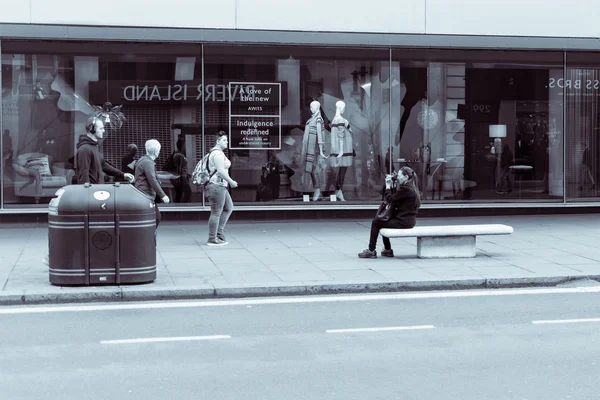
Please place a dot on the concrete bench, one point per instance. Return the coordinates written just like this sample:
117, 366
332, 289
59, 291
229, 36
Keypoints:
450, 241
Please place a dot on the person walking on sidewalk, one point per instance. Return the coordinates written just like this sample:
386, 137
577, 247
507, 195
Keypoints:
406, 202
146, 180
90, 163
221, 205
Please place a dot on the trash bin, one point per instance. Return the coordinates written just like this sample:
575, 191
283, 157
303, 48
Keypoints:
101, 235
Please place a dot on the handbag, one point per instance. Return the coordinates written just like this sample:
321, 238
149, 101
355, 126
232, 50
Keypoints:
385, 212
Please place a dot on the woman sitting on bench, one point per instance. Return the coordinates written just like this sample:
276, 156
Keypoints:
405, 201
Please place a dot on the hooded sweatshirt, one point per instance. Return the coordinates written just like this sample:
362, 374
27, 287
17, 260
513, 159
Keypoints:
90, 164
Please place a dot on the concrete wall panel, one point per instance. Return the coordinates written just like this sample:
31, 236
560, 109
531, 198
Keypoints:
15, 11
381, 16
151, 13
514, 18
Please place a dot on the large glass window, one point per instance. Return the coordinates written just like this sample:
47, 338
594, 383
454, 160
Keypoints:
480, 126
283, 150
581, 88
50, 88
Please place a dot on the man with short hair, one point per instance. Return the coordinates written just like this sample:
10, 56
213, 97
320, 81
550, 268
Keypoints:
89, 161
145, 176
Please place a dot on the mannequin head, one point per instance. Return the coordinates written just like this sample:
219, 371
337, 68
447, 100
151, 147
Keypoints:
315, 106
340, 106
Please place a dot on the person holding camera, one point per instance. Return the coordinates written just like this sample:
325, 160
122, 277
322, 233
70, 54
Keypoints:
405, 200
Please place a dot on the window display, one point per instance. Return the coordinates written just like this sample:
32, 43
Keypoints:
480, 125
581, 88
51, 88
332, 114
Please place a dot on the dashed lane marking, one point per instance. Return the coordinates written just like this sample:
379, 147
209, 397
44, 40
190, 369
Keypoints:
566, 321
382, 329
165, 339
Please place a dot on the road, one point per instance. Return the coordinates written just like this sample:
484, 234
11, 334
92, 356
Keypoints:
503, 344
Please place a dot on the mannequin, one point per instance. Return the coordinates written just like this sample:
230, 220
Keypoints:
341, 147
312, 142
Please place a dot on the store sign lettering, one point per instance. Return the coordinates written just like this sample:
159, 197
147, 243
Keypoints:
193, 91
574, 83
179, 92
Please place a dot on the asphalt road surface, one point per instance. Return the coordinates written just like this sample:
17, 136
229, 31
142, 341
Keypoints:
502, 344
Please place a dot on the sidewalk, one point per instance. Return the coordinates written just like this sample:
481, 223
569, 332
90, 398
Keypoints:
315, 257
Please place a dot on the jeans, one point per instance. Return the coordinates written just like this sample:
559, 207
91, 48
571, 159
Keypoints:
376, 226
221, 207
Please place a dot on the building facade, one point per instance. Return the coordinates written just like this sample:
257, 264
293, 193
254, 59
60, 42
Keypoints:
493, 105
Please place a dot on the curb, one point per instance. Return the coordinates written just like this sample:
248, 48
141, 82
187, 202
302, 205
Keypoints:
208, 291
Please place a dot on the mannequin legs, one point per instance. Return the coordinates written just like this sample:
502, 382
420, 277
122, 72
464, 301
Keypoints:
341, 176
316, 185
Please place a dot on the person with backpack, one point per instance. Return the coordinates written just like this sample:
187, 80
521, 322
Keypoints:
221, 205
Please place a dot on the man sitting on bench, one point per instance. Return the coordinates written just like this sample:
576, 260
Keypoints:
405, 202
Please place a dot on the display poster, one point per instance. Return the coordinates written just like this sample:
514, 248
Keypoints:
254, 116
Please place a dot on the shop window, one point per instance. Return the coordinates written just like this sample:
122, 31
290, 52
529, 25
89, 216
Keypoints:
581, 88
482, 126
282, 150
49, 89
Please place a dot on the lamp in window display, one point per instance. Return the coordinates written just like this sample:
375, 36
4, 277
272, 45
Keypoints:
312, 143
111, 115
342, 152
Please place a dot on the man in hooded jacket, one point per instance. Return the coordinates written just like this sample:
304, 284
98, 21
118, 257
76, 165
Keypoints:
90, 163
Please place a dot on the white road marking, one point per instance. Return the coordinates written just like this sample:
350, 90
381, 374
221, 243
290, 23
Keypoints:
566, 321
295, 300
384, 329
165, 339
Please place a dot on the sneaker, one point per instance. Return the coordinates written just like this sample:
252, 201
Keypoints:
216, 242
387, 253
221, 237
367, 254
46, 260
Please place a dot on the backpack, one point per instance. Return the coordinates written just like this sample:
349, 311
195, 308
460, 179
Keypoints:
201, 174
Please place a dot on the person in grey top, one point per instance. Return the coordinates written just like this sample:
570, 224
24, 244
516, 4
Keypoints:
145, 176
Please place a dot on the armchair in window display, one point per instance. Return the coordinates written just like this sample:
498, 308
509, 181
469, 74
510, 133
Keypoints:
35, 175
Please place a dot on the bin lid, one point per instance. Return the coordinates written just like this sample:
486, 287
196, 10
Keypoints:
100, 199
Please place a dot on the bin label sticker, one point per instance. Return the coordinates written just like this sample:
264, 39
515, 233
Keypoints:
101, 195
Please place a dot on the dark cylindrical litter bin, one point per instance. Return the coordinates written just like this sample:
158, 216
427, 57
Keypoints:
101, 235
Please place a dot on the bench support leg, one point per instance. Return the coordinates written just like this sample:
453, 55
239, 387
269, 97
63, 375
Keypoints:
446, 247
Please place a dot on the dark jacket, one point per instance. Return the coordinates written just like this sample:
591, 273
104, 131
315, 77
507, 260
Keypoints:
125, 163
90, 163
407, 202
145, 178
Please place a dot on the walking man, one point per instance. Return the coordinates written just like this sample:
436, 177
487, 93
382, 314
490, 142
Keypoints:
89, 161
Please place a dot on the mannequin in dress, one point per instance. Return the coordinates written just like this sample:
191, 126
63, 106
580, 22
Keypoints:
341, 147
312, 142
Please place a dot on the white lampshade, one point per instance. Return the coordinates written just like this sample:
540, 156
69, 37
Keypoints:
497, 131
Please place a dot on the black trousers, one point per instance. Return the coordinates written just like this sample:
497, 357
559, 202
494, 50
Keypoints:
377, 225
183, 190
